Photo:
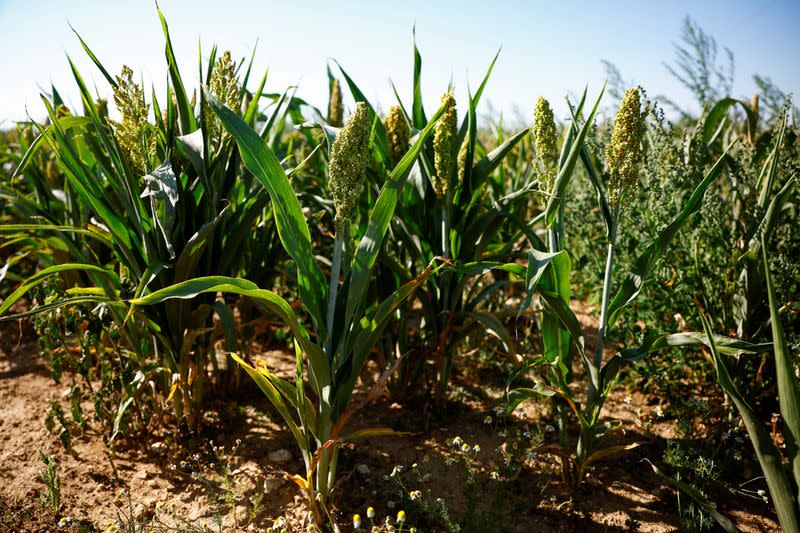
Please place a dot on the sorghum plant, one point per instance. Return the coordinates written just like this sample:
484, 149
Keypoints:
548, 275
164, 202
345, 324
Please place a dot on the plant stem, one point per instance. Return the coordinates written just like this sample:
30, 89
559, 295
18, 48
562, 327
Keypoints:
601, 332
336, 266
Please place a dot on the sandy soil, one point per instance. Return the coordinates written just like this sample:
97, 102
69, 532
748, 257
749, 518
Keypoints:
172, 477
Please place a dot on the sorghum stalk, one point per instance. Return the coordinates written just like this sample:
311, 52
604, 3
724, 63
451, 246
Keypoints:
349, 157
623, 156
444, 147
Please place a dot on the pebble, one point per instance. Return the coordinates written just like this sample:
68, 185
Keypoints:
281, 455
158, 446
363, 469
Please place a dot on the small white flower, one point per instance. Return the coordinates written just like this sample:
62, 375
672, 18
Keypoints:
659, 412
476, 448
628, 399
415, 495
488, 419
396, 470
457, 441
494, 475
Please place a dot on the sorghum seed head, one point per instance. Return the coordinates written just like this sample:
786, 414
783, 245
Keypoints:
545, 138
101, 106
132, 133
624, 153
444, 140
335, 105
398, 132
225, 88
348, 160
461, 161
62, 111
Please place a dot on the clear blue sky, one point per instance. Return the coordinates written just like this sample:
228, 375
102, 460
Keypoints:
549, 48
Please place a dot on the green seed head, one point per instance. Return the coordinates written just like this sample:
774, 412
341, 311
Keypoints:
225, 88
398, 132
624, 153
348, 160
335, 105
62, 111
132, 134
545, 138
461, 161
101, 106
444, 141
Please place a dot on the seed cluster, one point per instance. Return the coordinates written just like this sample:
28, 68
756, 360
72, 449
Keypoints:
349, 159
398, 132
335, 105
225, 88
545, 139
624, 153
132, 133
444, 141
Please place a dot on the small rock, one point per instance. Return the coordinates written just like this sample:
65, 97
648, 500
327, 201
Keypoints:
427, 477
281, 455
158, 446
141, 474
363, 469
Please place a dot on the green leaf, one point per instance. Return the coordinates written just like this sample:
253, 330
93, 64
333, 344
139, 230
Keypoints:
379, 218
289, 219
788, 386
777, 476
490, 161
161, 186
565, 170
185, 112
319, 370
42, 275
653, 343
706, 504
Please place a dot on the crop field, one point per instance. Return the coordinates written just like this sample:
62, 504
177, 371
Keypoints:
225, 307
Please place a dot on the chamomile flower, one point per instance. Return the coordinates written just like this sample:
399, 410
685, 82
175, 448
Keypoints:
357, 521
401, 516
415, 495
628, 399
370, 512
494, 475
488, 419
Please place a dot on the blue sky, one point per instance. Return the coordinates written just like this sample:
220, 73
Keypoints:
549, 48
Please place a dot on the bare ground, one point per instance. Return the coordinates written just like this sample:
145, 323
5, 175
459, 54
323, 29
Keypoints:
182, 480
